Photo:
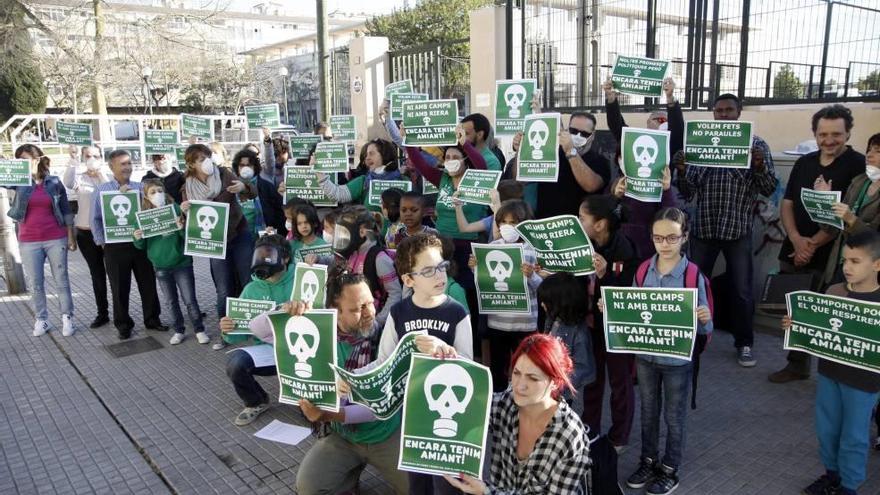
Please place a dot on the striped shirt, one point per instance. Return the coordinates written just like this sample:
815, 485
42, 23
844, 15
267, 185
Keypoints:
522, 322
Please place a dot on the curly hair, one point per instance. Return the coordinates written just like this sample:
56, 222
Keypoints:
411, 247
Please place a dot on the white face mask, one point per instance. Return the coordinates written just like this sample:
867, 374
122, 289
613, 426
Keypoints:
872, 172
93, 164
207, 166
328, 237
246, 172
508, 233
452, 166
157, 198
288, 225
217, 158
578, 141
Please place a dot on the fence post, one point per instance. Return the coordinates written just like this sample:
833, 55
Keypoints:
744, 51
714, 70
651, 36
825, 49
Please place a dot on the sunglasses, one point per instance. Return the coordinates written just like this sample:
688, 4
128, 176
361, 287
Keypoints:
586, 134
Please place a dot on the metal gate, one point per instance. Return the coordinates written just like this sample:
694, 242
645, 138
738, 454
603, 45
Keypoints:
441, 70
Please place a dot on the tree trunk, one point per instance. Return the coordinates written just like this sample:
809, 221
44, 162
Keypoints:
99, 101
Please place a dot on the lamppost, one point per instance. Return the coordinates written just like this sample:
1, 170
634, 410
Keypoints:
146, 73
282, 71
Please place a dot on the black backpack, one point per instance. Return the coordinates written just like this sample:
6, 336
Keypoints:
603, 471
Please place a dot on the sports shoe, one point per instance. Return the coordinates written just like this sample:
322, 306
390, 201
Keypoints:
67, 327
203, 338
825, 485
786, 375
176, 338
41, 327
249, 414
665, 483
646, 472
744, 357
219, 346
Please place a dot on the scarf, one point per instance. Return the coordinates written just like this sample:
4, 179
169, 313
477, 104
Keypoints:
198, 190
162, 174
361, 352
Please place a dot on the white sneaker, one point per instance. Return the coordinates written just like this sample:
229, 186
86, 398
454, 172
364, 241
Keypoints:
219, 346
176, 339
41, 327
203, 338
67, 327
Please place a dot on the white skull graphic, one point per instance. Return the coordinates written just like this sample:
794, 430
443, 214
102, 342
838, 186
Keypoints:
646, 317
539, 133
549, 244
207, 218
447, 379
308, 182
426, 120
308, 289
637, 72
716, 140
305, 346
500, 267
645, 151
835, 323
514, 97
121, 206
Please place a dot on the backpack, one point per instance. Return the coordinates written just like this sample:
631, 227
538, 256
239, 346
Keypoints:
372, 275
603, 468
691, 281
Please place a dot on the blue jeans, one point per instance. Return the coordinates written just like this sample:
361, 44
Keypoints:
666, 386
233, 272
33, 257
180, 280
843, 425
738, 256
241, 370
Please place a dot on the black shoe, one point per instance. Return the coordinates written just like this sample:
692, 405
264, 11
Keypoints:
99, 321
665, 483
825, 485
157, 327
646, 472
124, 334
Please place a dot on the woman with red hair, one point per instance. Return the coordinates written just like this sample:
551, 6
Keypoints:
539, 444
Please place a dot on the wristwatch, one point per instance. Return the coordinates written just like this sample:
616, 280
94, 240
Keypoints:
573, 152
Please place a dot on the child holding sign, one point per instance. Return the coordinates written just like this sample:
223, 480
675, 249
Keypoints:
302, 226
845, 396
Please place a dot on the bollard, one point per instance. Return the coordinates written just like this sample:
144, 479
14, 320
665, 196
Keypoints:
13, 272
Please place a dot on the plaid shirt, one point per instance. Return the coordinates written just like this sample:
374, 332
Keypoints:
726, 197
558, 464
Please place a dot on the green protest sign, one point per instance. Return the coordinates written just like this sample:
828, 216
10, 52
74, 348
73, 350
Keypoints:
656, 322
301, 145
560, 243
331, 157
180, 156
381, 389
160, 141
395, 105
538, 157
404, 86
15, 173
645, 156
300, 182
718, 143
344, 128
476, 185
513, 102
305, 352
242, 311
428, 188
74, 133
259, 116
378, 186
430, 123
501, 285
195, 125
445, 417
309, 284
205, 233
322, 250
818, 205
154, 222
835, 328
119, 210
638, 75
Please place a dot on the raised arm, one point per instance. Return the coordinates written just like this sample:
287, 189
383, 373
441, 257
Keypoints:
431, 174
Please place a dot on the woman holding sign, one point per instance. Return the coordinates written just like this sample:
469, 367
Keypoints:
45, 230
381, 159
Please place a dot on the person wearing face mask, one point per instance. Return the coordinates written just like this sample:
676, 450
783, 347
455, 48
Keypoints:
82, 179
381, 160
266, 210
172, 179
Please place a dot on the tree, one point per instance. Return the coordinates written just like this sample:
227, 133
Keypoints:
871, 82
21, 82
786, 84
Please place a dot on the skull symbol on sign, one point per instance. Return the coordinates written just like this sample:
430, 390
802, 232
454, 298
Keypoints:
835, 323
309, 287
120, 206
207, 219
426, 120
449, 389
539, 133
645, 151
716, 140
514, 97
637, 72
646, 317
549, 244
500, 267
305, 346
308, 182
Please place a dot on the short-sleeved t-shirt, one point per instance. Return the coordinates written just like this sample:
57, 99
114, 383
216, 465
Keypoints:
564, 196
445, 210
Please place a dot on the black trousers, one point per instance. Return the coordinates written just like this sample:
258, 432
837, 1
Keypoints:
94, 256
121, 260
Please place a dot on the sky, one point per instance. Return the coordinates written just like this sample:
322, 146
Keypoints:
307, 7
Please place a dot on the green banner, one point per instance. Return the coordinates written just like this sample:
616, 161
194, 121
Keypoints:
476, 185
301, 145
74, 133
119, 210
638, 75
309, 284
381, 389
445, 417
513, 102
154, 222
180, 156
15, 173
718, 143
538, 157
404, 86
300, 182
818, 205
160, 141
206, 224
501, 286
195, 125
395, 105
259, 116
656, 322
305, 353
322, 250
378, 186
430, 123
331, 157
428, 188
835, 328
242, 311
645, 156
561, 244
344, 128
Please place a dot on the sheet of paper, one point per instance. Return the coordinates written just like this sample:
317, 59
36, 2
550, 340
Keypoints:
277, 431
263, 355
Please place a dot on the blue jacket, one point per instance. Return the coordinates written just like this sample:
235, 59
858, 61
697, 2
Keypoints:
55, 189
580, 347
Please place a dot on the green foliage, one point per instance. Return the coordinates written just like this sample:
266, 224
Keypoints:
870, 82
786, 84
21, 83
431, 21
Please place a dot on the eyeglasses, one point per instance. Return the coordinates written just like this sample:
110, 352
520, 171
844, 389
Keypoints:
670, 239
430, 271
586, 134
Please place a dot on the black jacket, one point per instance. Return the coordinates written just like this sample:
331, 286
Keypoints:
273, 209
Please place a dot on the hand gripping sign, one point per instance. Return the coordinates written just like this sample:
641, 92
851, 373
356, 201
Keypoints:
305, 350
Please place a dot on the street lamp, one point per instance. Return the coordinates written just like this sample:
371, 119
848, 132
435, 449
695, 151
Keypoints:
282, 72
147, 73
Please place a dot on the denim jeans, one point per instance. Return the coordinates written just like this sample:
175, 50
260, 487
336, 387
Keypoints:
233, 272
33, 257
666, 386
182, 280
241, 371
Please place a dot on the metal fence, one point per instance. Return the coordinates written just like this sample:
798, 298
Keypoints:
340, 86
441, 70
767, 52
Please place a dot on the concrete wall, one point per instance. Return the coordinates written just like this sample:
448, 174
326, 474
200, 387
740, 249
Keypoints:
369, 73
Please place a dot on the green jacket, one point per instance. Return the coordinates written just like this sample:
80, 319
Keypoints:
263, 290
165, 252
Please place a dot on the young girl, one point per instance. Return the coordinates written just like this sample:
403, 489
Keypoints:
303, 224
667, 268
390, 212
174, 270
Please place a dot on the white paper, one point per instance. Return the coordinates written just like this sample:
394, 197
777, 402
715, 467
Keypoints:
277, 431
263, 355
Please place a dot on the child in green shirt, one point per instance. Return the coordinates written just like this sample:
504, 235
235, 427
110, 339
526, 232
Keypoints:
303, 226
